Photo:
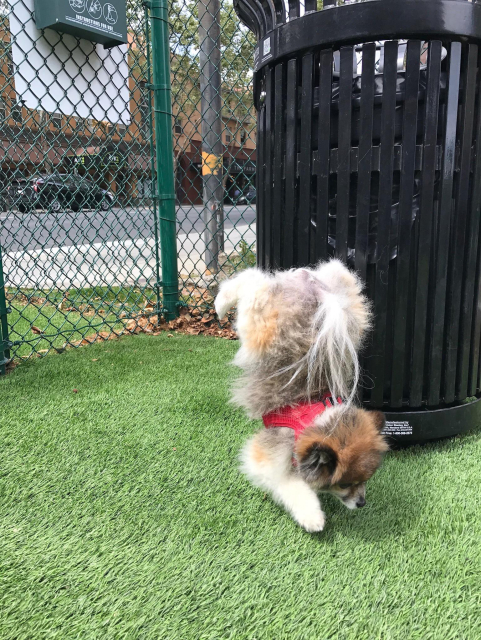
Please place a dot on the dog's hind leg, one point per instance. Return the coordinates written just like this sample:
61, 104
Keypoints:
266, 460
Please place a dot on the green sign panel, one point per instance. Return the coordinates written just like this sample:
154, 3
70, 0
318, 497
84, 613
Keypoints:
96, 20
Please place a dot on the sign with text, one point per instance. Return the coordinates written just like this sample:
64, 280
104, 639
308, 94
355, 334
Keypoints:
94, 20
81, 78
89, 161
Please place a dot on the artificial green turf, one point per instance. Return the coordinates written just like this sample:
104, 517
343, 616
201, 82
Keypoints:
89, 311
122, 515
58, 327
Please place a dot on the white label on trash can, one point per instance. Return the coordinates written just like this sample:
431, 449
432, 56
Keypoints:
398, 428
266, 47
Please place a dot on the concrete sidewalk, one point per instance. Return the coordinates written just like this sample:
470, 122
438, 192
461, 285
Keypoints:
110, 263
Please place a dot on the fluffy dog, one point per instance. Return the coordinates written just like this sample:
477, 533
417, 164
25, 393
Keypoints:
300, 332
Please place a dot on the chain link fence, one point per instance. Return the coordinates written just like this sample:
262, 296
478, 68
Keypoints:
214, 144
78, 228
80, 195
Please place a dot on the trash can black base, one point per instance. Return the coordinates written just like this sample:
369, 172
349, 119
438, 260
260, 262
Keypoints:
411, 427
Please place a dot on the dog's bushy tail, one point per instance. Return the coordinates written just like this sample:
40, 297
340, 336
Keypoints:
338, 327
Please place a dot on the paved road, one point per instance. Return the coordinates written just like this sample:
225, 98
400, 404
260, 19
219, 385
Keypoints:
45, 250
33, 231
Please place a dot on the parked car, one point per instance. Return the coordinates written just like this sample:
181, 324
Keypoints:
58, 191
246, 196
20, 195
250, 195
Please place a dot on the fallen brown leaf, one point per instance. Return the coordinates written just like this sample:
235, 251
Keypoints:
131, 324
190, 321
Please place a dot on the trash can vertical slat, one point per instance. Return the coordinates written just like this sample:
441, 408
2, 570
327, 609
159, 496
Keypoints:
365, 158
268, 148
404, 230
257, 11
323, 152
384, 221
457, 250
305, 160
364, 170
249, 17
260, 197
269, 13
468, 295
471, 328
278, 163
475, 382
280, 11
426, 214
291, 164
344, 151
443, 228
475, 360
293, 9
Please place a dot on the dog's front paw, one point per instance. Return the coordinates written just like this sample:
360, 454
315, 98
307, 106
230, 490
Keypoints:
312, 522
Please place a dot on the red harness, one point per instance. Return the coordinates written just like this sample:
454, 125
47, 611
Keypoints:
299, 417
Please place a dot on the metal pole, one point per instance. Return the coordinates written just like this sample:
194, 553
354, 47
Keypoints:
158, 307
211, 111
164, 154
4, 350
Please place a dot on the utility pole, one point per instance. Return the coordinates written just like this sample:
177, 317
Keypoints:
211, 129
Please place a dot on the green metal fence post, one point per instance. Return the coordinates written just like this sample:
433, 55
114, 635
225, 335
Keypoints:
4, 350
164, 154
153, 178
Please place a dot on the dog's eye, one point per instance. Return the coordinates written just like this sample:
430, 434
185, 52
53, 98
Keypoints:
345, 486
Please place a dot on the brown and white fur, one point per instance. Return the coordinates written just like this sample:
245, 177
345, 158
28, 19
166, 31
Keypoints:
300, 332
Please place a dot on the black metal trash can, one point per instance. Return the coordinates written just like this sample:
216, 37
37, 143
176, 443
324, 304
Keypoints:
369, 149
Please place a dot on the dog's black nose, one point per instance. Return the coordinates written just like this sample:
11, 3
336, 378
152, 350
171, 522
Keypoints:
361, 502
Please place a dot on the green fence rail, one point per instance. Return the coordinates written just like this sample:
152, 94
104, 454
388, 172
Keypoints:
107, 161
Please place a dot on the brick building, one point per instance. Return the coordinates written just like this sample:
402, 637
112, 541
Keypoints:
238, 137
116, 156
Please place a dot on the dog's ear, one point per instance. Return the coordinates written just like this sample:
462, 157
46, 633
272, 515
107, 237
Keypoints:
318, 462
379, 419
232, 290
256, 322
